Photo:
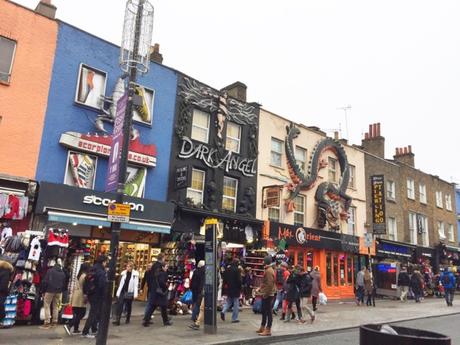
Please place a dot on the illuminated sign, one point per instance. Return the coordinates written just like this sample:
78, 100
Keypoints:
378, 205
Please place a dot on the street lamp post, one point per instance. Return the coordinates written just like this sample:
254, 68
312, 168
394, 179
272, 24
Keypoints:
134, 57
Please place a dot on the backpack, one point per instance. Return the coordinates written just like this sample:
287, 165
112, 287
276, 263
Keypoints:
279, 276
445, 279
89, 284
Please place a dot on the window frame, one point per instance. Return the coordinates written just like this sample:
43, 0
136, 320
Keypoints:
13, 55
331, 170
352, 181
450, 233
439, 199
421, 187
441, 229
410, 185
207, 129
425, 233
197, 190
351, 215
278, 210
302, 163
392, 231
224, 196
280, 154
448, 200
227, 137
391, 188
413, 228
297, 213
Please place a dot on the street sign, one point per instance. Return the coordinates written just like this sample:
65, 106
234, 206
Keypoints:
118, 213
368, 240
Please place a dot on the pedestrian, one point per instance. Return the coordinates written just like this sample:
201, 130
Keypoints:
160, 294
403, 283
267, 291
232, 279
153, 288
196, 324
94, 287
53, 285
78, 301
306, 284
369, 288
5, 274
281, 276
248, 285
448, 282
360, 286
196, 287
293, 294
316, 287
127, 292
416, 284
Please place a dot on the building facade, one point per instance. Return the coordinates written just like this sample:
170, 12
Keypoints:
457, 203
312, 194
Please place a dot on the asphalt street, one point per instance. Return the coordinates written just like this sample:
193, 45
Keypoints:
447, 325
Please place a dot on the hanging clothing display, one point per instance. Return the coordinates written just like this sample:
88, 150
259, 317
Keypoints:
6, 232
13, 206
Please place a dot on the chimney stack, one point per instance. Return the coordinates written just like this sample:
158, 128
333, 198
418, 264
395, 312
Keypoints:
236, 90
405, 155
46, 8
155, 55
373, 142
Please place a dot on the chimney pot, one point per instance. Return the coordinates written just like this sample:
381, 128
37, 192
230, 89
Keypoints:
236, 90
366, 135
397, 151
336, 135
410, 148
370, 131
46, 8
155, 54
378, 129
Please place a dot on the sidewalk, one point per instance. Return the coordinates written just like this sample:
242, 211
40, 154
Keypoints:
334, 316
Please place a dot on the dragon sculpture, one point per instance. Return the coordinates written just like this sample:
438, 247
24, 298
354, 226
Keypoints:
328, 195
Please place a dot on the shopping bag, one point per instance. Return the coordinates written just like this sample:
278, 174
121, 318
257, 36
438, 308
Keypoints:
322, 298
187, 297
67, 312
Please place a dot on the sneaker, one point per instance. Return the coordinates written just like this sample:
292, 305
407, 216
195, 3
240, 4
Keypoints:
222, 316
45, 326
89, 336
67, 330
275, 312
76, 332
194, 327
235, 321
169, 323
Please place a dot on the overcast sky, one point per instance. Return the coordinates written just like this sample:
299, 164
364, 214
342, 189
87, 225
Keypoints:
394, 62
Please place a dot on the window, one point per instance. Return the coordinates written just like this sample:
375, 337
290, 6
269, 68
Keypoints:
301, 157
413, 227
195, 192
441, 233
351, 220
391, 190
299, 211
448, 202
422, 190
410, 189
439, 199
352, 183
7, 50
274, 214
229, 195
332, 169
339, 269
392, 229
233, 138
276, 152
422, 228
200, 126
451, 233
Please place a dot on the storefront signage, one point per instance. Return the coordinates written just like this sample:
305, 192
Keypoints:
394, 249
211, 157
378, 205
313, 238
95, 200
182, 177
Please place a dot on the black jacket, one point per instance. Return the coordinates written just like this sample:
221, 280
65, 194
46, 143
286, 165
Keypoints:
197, 282
148, 279
232, 278
161, 281
403, 279
100, 280
306, 284
293, 287
54, 281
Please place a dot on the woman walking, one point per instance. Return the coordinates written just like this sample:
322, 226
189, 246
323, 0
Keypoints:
416, 284
306, 282
316, 287
267, 290
293, 294
127, 292
78, 301
369, 288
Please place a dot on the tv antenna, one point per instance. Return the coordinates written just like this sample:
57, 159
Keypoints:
346, 109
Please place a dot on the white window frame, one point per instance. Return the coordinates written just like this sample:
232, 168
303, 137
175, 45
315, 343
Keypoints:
413, 227
410, 188
299, 213
422, 192
439, 200
352, 182
301, 161
278, 154
441, 229
197, 190
450, 232
392, 229
234, 198
351, 224
391, 190
230, 138
448, 202
332, 170
278, 210
194, 125
425, 233
8, 73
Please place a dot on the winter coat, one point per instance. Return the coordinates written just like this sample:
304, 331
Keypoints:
54, 281
403, 279
268, 287
5, 274
78, 298
451, 284
100, 281
360, 279
232, 278
293, 287
416, 282
316, 284
161, 300
147, 279
368, 284
306, 285
197, 284
133, 286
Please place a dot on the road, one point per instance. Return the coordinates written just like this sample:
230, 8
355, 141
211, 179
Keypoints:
447, 325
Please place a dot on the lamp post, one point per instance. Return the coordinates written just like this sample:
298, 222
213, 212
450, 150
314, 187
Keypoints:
134, 58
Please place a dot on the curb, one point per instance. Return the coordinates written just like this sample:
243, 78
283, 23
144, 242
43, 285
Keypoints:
294, 336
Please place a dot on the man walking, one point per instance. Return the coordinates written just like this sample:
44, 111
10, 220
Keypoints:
267, 290
403, 283
197, 288
53, 285
447, 280
360, 287
232, 278
151, 279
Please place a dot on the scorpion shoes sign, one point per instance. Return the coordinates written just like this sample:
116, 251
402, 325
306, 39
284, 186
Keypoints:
378, 205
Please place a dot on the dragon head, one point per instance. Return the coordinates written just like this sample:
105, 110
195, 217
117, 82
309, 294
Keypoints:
292, 131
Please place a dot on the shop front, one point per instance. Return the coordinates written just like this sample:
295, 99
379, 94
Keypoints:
336, 255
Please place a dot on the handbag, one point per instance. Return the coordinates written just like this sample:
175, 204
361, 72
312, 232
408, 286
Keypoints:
128, 295
187, 297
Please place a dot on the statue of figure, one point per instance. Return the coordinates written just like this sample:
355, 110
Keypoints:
247, 203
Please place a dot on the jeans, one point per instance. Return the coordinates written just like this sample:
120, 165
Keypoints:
267, 316
54, 299
149, 307
279, 299
78, 314
360, 294
449, 296
404, 292
304, 305
314, 302
94, 315
299, 310
196, 308
122, 303
417, 295
235, 303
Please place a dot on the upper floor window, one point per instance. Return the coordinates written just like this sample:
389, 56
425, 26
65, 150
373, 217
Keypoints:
441, 232
7, 50
200, 126
332, 170
391, 190
229, 194
413, 227
301, 157
195, 191
439, 199
392, 229
276, 152
422, 227
233, 138
410, 189
451, 233
448, 202
352, 182
274, 214
422, 190
351, 220
299, 211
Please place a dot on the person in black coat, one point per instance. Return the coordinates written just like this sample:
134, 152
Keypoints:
306, 285
152, 280
293, 293
232, 279
53, 286
5, 274
160, 294
416, 284
196, 287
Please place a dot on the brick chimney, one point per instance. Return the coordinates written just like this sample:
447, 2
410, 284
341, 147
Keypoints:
236, 90
46, 8
155, 54
373, 142
405, 155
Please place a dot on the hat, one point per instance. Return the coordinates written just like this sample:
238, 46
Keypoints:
268, 260
201, 263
